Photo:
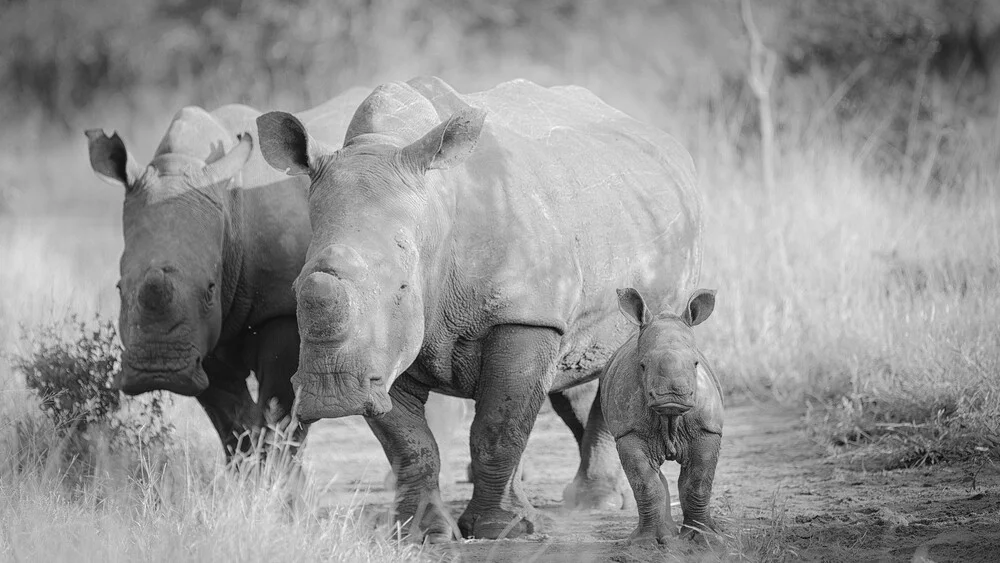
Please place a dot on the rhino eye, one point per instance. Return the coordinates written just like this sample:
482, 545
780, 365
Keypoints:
642, 366
118, 286
210, 293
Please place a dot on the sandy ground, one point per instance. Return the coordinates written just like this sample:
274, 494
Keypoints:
777, 494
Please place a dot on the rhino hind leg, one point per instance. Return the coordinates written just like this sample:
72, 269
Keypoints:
229, 406
600, 481
518, 364
573, 406
413, 454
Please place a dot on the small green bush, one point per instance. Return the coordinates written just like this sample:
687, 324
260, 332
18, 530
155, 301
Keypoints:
71, 367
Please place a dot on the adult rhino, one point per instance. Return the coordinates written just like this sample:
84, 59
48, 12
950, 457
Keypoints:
472, 245
213, 239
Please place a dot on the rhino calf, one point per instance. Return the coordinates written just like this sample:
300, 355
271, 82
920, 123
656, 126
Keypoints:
662, 402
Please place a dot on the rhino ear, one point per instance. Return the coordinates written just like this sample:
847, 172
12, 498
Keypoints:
699, 306
285, 143
450, 143
110, 159
633, 306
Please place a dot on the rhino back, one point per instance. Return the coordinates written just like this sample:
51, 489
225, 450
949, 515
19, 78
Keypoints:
564, 200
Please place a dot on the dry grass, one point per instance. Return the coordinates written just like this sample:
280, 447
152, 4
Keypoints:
184, 509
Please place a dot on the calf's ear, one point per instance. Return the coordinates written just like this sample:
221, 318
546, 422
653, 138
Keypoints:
286, 145
450, 143
110, 160
700, 305
632, 305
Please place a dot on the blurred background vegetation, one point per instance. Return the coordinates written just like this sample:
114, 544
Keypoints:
907, 72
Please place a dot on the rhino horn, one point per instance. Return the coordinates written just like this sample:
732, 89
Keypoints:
324, 307
156, 292
231, 163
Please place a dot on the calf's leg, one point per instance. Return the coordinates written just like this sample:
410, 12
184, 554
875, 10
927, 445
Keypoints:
652, 497
694, 484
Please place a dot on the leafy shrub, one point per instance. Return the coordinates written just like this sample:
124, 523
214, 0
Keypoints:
73, 378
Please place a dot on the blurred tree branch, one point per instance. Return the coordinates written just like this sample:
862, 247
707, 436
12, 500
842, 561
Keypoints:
761, 73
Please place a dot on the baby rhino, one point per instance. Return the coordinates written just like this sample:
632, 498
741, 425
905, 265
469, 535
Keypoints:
662, 401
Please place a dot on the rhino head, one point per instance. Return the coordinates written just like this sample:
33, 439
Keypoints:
174, 225
360, 296
667, 355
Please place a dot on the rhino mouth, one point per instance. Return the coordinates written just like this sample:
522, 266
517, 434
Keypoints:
181, 374
670, 409
670, 403
322, 395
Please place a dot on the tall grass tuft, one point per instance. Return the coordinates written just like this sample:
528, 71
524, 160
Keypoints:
185, 509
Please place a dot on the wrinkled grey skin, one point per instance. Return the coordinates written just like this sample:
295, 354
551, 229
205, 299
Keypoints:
214, 238
466, 245
663, 402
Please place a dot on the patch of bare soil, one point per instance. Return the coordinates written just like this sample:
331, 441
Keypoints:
777, 496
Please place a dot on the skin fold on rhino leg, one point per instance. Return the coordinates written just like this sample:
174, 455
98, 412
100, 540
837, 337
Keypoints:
413, 453
229, 406
517, 368
277, 360
652, 496
600, 481
694, 484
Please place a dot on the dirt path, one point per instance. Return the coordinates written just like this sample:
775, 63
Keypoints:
777, 495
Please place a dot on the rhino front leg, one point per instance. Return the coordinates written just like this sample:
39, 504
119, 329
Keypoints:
277, 360
229, 406
416, 462
651, 494
517, 367
694, 485
600, 481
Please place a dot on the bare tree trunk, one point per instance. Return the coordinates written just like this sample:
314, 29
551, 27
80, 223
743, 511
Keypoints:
761, 73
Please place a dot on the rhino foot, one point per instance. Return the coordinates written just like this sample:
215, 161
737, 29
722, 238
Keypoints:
496, 524
651, 535
429, 523
697, 532
587, 494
